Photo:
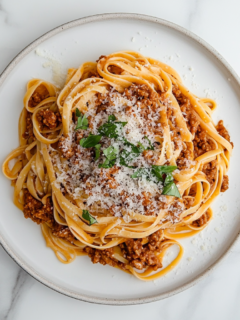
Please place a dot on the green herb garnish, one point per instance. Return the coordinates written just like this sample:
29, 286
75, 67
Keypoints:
111, 157
87, 216
128, 155
78, 113
82, 121
142, 172
90, 141
150, 147
111, 118
169, 178
110, 128
165, 169
171, 190
141, 147
107, 164
97, 151
155, 174
111, 152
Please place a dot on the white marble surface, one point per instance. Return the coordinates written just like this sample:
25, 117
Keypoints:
216, 297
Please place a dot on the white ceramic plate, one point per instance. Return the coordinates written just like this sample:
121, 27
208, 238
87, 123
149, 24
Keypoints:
205, 73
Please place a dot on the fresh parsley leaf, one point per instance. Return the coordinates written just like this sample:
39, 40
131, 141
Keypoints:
90, 141
87, 216
78, 113
111, 118
110, 129
82, 121
111, 152
111, 155
97, 151
171, 190
107, 164
150, 147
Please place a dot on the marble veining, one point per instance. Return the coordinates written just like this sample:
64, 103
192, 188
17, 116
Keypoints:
217, 296
20, 285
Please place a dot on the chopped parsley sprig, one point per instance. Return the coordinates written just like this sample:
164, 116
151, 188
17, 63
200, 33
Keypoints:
82, 121
90, 141
111, 157
111, 129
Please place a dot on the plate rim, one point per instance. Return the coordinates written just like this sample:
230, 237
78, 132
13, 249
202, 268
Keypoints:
9, 68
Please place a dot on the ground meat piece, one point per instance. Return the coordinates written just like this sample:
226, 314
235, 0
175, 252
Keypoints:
28, 134
101, 57
38, 95
202, 220
202, 143
143, 93
223, 131
186, 154
67, 151
141, 256
79, 135
210, 170
39, 213
225, 183
188, 202
101, 256
149, 156
175, 209
35, 210
187, 110
49, 119
62, 232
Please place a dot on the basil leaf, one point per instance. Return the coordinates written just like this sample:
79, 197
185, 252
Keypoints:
97, 151
165, 169
111, 152
107, 164
151, 147
90, 141
169, 178
78, 113
87, 216
171, 190
156, 172
111, 118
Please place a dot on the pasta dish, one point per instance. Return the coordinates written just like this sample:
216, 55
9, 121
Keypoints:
120, 164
